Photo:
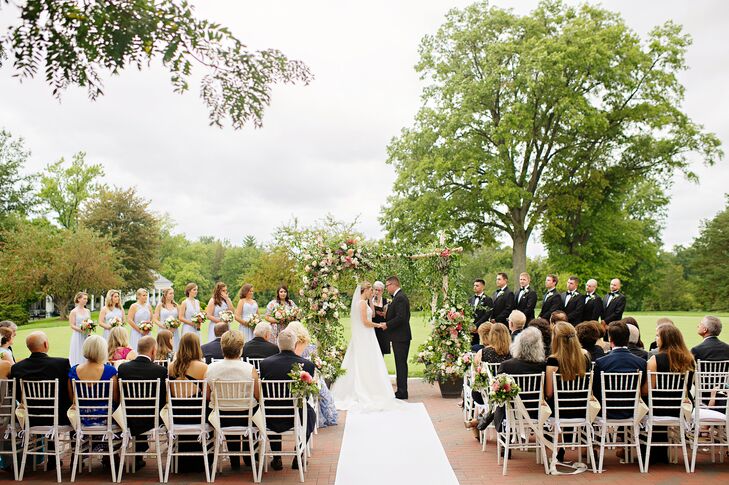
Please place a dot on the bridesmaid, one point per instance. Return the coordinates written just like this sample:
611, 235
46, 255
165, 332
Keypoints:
112, 309
218, 303
188, 308
247, 307
165, 309
138, 313
282, 298
75, 319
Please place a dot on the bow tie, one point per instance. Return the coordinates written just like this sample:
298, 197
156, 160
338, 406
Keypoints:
614, 293
525, 288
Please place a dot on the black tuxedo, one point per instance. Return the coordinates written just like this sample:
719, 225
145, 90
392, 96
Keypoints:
614, 311
503, 305
212, 350
40, 367
527, 303
574, 307
382, 339
592, 310
278, 367
480, 315
551, 303
710, 349
142, 368
259, 348
398, 331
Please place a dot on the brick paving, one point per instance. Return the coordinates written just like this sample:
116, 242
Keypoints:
471, 465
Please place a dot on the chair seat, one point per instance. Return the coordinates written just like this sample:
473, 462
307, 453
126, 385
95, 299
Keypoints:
46, 429
567, 420
600, 421
99, 429
237, 429
191, 428
711, 415
665, 419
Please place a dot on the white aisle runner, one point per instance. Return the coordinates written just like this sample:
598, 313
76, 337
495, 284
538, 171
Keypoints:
392, 447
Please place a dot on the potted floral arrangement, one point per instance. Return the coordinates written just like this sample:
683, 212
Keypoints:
442, 353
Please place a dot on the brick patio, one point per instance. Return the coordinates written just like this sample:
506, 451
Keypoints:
464, 452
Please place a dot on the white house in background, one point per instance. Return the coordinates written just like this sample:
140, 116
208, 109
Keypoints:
45, 308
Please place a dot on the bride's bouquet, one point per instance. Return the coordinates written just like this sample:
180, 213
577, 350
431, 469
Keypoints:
304, 385
172, 323
116, 322
198, 319
145, 326
226, 316
88, 327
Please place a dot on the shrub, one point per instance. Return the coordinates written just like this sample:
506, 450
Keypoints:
18, 314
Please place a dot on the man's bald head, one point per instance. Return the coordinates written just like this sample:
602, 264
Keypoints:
37, 342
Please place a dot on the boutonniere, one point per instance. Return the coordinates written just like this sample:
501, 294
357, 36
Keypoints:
591, 297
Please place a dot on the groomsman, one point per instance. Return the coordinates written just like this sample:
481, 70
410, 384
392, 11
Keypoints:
526, 297
551, 301
593, 302
503, 299
482, 308
614, 303
573, 301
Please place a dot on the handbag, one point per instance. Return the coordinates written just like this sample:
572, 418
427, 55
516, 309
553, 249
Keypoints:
593, 409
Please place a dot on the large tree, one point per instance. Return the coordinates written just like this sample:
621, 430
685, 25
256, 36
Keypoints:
124, 217
78, 43
520, 110
17, 196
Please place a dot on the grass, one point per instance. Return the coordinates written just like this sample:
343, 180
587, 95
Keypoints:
59, 333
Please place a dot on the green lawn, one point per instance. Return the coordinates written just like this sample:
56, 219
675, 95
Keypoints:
59, 333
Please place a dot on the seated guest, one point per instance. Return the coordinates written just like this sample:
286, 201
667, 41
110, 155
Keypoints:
328, 415
212, 349
14, 328
278, 367
188, 363
516, 320
654, 347
711, 348
620, 359
6, 342
232, 368
558, 316
5, 367
95, 368
259, 347
632, 321
546, 328
165, 349
483, 336
588, 333
633, 341
118, 346
144, 368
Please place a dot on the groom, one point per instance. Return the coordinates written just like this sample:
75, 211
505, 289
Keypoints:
397, 329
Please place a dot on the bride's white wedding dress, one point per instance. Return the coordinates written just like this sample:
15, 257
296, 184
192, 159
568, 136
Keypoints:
366, 385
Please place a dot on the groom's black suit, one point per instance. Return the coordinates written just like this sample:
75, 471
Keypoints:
397, 319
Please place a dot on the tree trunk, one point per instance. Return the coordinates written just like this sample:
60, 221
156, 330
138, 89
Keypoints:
61, 305
518, 253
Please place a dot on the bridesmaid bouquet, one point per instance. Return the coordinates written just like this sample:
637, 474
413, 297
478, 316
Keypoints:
172, 323
145, 326
285, 314
116, 322
226, 316
198, 319
304, 385
254, 320
88, 327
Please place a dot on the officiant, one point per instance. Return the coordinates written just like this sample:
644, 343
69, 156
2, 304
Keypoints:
379, 308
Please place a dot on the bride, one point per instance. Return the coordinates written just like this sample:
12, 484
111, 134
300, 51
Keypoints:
366, 385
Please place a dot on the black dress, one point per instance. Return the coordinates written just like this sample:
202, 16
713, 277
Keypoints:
553, 362
379, 333
489, 355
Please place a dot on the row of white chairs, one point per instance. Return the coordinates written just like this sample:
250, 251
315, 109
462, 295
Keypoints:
187, 422
668, 408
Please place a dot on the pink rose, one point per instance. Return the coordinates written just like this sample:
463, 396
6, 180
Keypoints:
495, 386
506, 387
306, 377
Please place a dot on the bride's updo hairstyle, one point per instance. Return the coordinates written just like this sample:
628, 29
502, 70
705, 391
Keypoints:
365, 285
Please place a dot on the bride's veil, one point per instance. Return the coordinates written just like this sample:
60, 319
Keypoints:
355, 315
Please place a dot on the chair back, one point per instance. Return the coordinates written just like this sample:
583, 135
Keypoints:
666, 391
532, 391
571, 397
255, 362
140, 400
620, 394
93, 400
233, 399
186, 399
8, 402
40, 399
277, 402
711, 378
493, 367
163, 362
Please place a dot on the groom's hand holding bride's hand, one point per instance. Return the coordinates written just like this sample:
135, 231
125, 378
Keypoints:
383, 326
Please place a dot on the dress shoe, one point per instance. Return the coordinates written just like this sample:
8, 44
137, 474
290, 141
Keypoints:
401, 395
294, 464
276, 463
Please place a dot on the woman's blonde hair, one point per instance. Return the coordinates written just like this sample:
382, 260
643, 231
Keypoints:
164, 344
483, 333
302, 334
365, 285
567, 350
189, 287
79, 295
166, 292
188, 352
110, 297
94, 349
140, 291
500, 338
118, 339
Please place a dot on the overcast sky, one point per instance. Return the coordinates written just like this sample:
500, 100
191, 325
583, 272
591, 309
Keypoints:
322, 148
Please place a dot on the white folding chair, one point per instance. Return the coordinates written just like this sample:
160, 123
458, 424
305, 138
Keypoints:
94, 407
255, 362
666, 397
619, 403
277, 403
187, 421
515, 429
8, 422
711, 384
40, 402
163, 362
139, 400
571, 411
468, 403
234, 403
478, 409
